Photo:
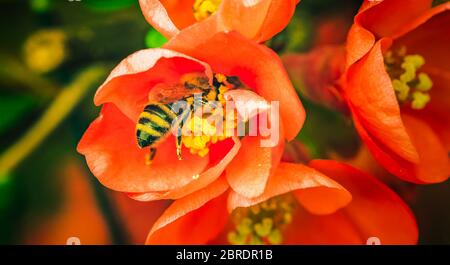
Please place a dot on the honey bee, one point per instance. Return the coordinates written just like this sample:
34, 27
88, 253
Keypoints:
160, 115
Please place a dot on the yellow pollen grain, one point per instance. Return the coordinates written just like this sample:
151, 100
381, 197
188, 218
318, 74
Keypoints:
203, 134
204, 8
221, 78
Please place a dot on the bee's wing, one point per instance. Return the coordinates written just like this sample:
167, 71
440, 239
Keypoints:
163, 93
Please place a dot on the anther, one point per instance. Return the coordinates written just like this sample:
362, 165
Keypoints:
410, 85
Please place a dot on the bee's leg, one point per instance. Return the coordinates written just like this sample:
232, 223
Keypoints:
179, 135
150, 156
178, 143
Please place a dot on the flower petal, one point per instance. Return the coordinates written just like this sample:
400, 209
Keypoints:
278, 16
370, 92
375, 210
247, 103
258, 20
371, 23
359, 43
245, 17
315, 191
130, 82
168, 16
425, 20
387, 18
111, 151
201, 181
194, 219
256, 65
247, 174
311, 229
434, 165
392, 162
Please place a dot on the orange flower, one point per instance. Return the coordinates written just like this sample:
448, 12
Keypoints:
257, 20
110, 145
397, 86
301, 205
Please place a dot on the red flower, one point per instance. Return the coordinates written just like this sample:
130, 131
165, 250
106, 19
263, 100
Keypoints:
257, 20
301, 205
396, 85
110, 145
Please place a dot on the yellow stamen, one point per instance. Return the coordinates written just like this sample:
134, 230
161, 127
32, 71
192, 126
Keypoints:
204, 8
420, 100
262, 223
409, 74
425, 82
410, 85
200, 134
402, 89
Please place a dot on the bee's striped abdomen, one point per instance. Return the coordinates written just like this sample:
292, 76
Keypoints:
153, 124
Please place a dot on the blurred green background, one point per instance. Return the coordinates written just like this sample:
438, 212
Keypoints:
53, 55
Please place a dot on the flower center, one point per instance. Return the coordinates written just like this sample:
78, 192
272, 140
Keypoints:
262, 223
204, 8
215, 124
410, 84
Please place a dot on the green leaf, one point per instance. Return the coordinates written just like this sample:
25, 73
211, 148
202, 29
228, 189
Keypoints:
154, 39
13, 108
40, 6
108, 5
